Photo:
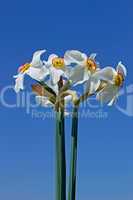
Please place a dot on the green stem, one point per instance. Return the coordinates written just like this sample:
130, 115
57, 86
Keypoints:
60, 157
63, 156
73, 163
57, 157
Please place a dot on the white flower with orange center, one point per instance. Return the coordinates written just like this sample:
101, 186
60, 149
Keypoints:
84, 69
57, 67
114, 79
35, 69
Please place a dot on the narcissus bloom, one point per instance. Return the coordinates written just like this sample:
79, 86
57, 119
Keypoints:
84, 70
35, 69
114, 79
57, 67
72, 69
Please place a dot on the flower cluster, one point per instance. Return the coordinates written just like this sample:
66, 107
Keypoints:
59, 76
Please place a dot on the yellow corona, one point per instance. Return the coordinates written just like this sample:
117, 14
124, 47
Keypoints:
91, 65
24, 67
119, 80
58, 63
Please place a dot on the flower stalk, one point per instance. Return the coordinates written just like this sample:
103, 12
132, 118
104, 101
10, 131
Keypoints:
60, 153
55, 79
73, 162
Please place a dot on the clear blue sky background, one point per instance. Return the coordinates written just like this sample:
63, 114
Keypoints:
105, 155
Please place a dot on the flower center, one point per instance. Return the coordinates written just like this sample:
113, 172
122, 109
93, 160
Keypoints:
119, 79
91, 65
24, 67
58, 63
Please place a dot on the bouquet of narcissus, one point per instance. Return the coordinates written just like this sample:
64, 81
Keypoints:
55, 87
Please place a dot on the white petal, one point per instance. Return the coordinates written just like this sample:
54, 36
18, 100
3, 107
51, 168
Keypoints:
66, 113
36, 60
112, 101
68, 71
108, 93
106, 74
92, 85
74, 56
121, 69
54, 87
50, 58
43, 101
67, 61
19, 82
68, 99
55, 74
87, 74
38, 74
92, 56
79, 75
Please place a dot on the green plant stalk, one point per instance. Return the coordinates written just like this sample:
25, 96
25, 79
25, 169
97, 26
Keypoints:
73, 162
63, 157
60, 156
57, 159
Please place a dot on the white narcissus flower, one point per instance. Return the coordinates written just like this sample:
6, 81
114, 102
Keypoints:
84, 70
58, 67
115, 79
36, 70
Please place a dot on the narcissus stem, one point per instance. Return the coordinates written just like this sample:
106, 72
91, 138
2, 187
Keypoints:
73, 162
60, 157
63, 157
58, 161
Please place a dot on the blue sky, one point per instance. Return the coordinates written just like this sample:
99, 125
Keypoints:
105, 162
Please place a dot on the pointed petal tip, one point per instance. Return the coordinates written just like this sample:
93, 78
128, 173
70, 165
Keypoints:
121, 68
93, 56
